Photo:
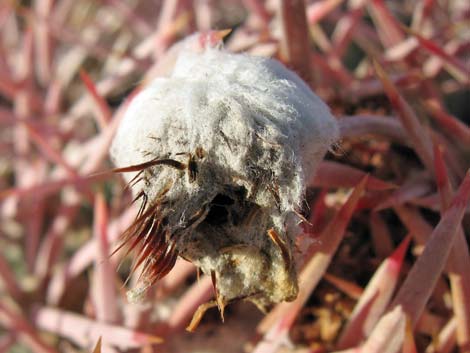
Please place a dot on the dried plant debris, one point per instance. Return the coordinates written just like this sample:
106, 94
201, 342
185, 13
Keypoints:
218, 154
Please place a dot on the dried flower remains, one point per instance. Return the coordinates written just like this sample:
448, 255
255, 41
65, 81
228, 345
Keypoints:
218, 155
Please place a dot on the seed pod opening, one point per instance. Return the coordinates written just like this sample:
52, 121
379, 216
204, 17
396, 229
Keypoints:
221, 151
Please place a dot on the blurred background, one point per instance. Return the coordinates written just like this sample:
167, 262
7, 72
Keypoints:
383, 262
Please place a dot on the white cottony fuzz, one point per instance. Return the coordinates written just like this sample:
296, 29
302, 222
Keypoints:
237, 137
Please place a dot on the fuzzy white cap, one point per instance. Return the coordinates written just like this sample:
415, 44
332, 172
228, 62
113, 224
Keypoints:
263, 132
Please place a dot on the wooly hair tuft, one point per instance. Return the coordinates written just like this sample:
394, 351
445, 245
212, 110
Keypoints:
259, 133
